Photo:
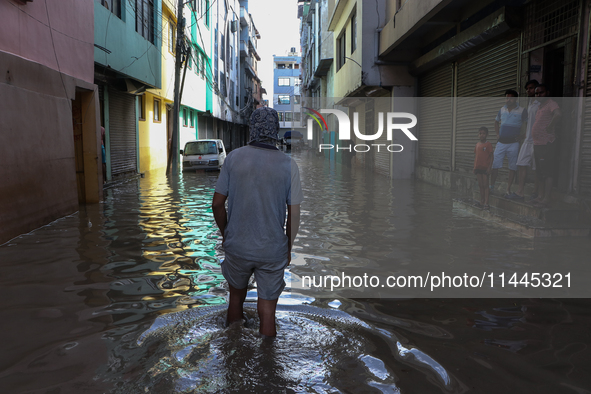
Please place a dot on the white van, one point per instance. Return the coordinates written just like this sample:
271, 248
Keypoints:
203, 155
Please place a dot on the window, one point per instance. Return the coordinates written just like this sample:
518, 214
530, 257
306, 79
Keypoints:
281, 66
157, 111
223, 84
190, 62
231, 95
142, 105
231, 57
185, 117
203, 60
296, 66
353, 33
341, 51
283, 99
197, 61
288, 116
284, 82
192, 119
215, 57
171, 36
223, 49
144, 19
280, 116
113, 5
207, 13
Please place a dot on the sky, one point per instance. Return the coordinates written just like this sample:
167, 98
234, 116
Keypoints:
279, 26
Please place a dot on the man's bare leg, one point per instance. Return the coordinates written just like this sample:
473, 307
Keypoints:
235, 311
266, 310
482, 186
548, 190
510, 181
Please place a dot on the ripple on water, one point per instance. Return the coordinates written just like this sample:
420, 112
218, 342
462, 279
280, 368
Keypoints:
317, 350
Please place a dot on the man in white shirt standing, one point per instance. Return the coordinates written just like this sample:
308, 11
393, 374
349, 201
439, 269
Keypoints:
526, 153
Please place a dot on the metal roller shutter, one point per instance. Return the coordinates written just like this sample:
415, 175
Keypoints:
435, 117
122, 133
382, 157
585, 152
481, 78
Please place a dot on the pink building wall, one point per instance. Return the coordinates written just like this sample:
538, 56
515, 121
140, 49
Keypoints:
47, 96
25, 31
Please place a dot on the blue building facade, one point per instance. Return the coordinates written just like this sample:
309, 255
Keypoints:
286, 91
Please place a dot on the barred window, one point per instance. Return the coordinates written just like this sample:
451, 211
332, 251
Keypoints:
547, 21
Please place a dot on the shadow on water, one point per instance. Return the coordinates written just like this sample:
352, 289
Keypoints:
128, 297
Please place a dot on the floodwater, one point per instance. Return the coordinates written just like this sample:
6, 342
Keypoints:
127, 297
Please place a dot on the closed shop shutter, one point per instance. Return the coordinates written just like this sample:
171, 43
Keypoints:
435, 117
585, 153
382, 157
481, 78
122, 133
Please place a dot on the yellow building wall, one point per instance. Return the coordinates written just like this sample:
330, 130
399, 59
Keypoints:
348, 77
152, 136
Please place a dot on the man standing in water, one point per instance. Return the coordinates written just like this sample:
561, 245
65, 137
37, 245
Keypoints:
260, 183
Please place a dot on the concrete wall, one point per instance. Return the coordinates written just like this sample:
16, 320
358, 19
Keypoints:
37, 157
409, 18
46, 56
152, 136
25, 31
348, 77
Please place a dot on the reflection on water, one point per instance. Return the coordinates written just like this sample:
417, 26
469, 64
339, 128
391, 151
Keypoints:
127, 297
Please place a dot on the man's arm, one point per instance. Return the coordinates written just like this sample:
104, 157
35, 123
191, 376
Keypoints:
497, 127
292, 227
218, 207
556, 115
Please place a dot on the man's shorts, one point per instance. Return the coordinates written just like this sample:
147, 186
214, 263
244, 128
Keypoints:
526, 155
510, 150
545, 160
269, 276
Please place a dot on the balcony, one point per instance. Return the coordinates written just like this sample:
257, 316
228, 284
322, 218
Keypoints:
252, 47
243, 17
243, 49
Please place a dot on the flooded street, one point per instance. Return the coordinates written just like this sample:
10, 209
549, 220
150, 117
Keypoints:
127, 297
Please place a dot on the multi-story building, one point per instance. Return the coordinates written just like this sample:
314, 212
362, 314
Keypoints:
127, 62
286, 91
156, 105
50, 142
317, 58
465, 53
339, 41
250, 84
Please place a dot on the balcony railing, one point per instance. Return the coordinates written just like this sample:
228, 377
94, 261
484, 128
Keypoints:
243, 49
243, 17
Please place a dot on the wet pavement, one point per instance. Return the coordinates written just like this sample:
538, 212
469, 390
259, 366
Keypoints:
127, 297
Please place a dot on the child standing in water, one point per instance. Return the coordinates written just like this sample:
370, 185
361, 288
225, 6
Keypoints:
483, 158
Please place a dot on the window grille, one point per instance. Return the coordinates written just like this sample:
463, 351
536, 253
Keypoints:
548, 21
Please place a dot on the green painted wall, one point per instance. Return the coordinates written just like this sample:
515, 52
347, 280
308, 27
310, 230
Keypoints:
131, 54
